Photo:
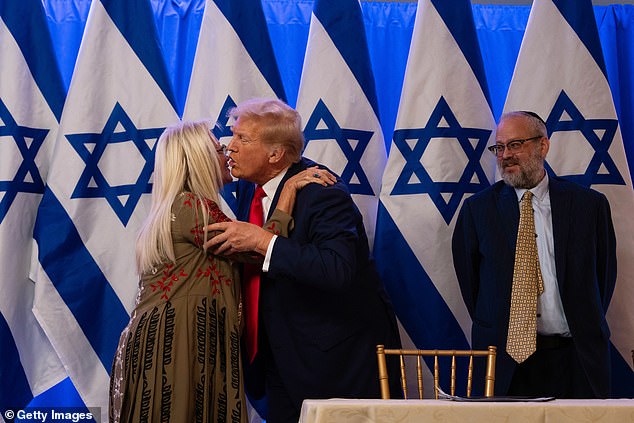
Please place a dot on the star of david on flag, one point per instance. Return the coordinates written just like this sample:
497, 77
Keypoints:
599, 133
31, 98
586, 145
97, 193
27, 176
338, 104
322, 125
442, 123
143, 139
437, 158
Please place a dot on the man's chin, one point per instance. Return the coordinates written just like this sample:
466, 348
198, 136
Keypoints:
513, 179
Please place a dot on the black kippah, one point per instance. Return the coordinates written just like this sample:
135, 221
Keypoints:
533, 114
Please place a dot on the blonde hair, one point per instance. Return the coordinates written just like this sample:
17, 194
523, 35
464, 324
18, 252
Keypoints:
186, 160
278, 123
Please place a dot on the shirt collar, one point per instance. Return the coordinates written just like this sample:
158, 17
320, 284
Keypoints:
540, 190
270, 188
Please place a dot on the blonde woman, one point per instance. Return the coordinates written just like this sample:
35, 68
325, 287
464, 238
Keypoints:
179, 359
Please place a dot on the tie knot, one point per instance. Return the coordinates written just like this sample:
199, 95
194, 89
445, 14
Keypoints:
259, 192
527, 196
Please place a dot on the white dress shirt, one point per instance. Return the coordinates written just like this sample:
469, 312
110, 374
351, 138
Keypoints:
269, 189
551, 319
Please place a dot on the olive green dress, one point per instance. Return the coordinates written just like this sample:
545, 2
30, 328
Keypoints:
179, 358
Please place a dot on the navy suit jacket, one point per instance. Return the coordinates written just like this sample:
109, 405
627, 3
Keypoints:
585, 260
322, 303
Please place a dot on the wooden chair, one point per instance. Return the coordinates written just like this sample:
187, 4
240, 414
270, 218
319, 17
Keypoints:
490, 354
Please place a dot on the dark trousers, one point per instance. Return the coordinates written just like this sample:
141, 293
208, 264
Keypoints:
553, 370
281, 408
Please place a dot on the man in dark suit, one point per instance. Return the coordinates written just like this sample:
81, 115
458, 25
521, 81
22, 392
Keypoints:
576, 257
322, 306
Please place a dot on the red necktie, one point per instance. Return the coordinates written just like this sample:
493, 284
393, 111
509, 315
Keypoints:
252, 282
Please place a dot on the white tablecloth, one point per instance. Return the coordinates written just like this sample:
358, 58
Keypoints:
428, 411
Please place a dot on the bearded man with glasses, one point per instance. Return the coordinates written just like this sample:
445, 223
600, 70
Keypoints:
564, 351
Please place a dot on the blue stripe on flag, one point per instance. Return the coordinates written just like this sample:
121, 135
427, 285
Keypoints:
580, 16
78, 279
458, 16
63, 394
15, 391
418, 304
348, 38
30, 29
135, 20
247, 19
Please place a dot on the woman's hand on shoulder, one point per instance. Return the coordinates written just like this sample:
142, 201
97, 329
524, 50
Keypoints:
311, 175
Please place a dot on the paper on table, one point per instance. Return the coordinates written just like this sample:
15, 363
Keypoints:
443, 395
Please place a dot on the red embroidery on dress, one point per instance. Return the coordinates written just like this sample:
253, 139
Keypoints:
167, 280
198, 233
188, 200
212, 273
213, 211
272, 228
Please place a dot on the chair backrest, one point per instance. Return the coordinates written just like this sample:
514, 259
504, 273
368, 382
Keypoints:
490, 354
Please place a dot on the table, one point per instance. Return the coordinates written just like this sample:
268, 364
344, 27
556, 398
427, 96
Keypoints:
428, 411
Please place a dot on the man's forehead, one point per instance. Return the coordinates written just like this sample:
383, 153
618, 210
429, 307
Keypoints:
512, 125
243, 125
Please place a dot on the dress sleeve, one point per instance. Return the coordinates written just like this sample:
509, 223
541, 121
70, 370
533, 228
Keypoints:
189, 219
280, 223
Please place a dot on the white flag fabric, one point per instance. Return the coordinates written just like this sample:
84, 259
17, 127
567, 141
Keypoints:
338, 104
234, 62
118, 104
437, 159
560, 74
31, 100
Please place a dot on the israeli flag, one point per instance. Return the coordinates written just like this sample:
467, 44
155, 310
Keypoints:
338, 104
31, 100
99, 181
437, 159
560, 74
234, 62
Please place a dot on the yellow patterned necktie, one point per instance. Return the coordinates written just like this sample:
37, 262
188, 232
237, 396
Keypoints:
527, 286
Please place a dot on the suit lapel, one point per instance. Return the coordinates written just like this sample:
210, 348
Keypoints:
293, 170
560, 210
244, 195
509, 212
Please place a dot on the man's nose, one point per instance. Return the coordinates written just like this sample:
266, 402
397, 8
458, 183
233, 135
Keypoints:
506, 153
231, 145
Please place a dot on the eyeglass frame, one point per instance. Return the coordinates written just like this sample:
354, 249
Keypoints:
222, 150
513, 146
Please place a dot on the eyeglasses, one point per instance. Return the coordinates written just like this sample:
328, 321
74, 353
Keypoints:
222, 149
512, 146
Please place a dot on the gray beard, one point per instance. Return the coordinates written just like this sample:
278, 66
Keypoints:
531, 172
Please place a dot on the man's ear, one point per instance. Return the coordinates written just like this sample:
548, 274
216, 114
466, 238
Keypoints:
545, 146
276, 154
